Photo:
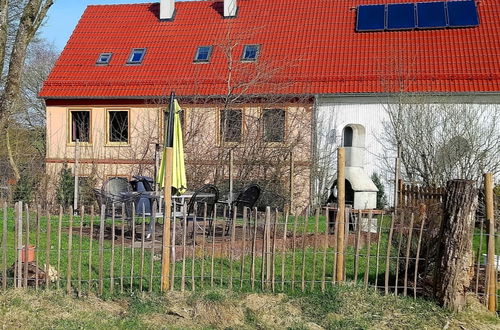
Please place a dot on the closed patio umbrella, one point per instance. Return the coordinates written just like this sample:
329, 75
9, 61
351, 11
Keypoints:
179, 181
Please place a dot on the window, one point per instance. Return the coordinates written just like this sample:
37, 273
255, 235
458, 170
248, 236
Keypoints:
230, 125
274, 125
104, 58
348, 135
136, 56
203, 54
250, 52
118, 126
80, 125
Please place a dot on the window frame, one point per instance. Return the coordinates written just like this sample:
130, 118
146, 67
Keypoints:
197, 53
104, 63
70, 126
108, 128
132, 52
283, 140
220, 133
257, 52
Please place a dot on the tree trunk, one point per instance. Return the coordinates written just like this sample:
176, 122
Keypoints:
33, 14
12, 162
4, 14
455, 252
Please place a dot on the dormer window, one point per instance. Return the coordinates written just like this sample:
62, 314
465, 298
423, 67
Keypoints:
136, 56
203, 54
104, 58
250, 53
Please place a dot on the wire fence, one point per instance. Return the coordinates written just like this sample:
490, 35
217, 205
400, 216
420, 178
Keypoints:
246, 249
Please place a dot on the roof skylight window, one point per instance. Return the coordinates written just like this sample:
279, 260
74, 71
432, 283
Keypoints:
250, 52
136, 56
203, 54
104, 58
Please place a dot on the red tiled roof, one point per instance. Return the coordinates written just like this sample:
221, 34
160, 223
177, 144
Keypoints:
307, 47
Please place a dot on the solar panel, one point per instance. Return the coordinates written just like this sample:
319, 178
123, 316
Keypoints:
401, 16
371, 18
431, 15
462, 13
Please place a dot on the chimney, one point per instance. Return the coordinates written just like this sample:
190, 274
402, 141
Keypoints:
167, 9
230, 8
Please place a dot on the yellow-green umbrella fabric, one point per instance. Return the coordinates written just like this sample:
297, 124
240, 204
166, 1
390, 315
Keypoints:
178, 169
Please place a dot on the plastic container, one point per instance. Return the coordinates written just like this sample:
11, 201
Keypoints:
28, 254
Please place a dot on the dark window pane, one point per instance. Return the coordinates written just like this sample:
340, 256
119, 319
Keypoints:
348, 133
80, 126
203, 53
118, 126
250, 52
274, 125
104, 58
230, 125
136, 56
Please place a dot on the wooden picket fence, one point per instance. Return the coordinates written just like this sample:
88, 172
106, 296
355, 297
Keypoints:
243, 249
412, 195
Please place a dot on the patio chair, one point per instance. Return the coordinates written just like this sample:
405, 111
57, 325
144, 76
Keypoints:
208, 194
247, 197
114, 191
143, 201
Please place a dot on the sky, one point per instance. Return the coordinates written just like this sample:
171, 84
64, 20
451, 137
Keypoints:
64, 15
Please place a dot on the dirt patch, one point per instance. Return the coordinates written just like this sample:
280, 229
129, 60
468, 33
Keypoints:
218, 243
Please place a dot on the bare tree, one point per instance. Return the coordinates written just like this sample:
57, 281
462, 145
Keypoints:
19, 22
33, 14
443, 138
325, 162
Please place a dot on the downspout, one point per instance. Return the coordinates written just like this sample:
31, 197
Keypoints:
314, 149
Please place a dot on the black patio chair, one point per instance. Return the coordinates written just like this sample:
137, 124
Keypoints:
207, 194
247, 198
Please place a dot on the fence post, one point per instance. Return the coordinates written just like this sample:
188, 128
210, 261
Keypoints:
231, 175
167, 196
455, 250
397, 176
290, 181
340, 213
491, 265
19, 243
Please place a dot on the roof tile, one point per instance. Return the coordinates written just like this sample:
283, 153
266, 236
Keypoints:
308, 46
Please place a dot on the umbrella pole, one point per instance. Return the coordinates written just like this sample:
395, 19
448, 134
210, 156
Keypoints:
167, 197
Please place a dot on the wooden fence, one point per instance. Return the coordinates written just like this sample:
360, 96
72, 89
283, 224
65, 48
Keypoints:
247, 250
411, 195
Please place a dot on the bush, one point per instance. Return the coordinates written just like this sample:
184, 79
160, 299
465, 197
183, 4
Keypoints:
24, 188
65, 189
381, 197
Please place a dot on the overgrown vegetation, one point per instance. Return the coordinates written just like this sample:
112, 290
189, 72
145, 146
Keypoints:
341, 307
381, 196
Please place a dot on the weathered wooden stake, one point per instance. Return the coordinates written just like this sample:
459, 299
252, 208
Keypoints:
340, 213
492, 264
388, 254
423, 215
101, 250
167, 197
4, 247
70, 252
